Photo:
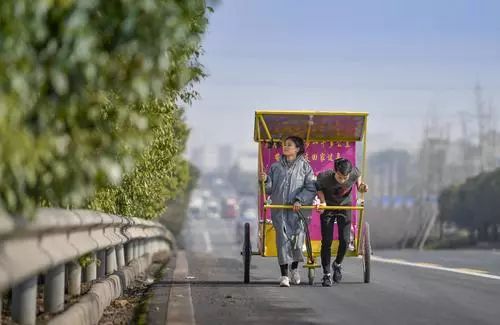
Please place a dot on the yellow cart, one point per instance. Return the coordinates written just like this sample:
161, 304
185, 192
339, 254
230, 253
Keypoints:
328, 135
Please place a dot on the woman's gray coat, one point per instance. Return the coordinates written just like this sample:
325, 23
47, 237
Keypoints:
288, 182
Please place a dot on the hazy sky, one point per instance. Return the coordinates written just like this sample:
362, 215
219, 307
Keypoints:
397, 60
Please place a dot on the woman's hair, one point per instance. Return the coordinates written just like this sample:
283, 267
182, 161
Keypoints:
343, 166
299, 143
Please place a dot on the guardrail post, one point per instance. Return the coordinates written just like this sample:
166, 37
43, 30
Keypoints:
146, 244
91, 268
110, 260
141, 247
54, 290
153, 246
24, 302
101, 266
74, 278
129, 251
149, 247
120, 256
136, 248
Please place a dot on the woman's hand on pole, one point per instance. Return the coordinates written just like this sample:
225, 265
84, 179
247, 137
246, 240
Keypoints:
319, 207
263, 176
296, 206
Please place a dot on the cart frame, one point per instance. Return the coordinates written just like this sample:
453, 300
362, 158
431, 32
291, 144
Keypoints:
265, 132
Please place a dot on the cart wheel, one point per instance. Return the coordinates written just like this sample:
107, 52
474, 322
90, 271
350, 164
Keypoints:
310, 275
367, 252
247, 253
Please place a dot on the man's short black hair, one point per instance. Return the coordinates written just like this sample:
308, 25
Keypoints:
343, 166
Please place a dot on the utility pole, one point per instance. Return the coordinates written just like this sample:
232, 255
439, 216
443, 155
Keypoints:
487, 130
433, 157
467, 155
480, 125
491, 137
494, 136
422, 185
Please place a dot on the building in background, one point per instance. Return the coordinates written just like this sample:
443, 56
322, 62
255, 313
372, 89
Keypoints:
225, 157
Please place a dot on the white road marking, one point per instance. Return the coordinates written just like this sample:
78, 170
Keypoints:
208, 242
180, 305
478, 273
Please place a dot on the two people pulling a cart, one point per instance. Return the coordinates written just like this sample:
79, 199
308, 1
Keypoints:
291, 181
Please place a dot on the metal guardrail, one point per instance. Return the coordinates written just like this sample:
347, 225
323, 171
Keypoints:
52, 244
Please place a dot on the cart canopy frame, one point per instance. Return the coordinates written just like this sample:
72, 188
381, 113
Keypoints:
274, 126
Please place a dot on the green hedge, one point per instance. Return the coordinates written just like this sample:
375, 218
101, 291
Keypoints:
91, 102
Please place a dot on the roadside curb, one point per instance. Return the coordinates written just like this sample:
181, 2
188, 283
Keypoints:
159, 294
170, 301
90, 307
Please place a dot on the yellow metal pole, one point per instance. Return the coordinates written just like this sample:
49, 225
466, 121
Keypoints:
265, 127
262, 189
363, 166
363, 171
261, 161
331, 207
309, 112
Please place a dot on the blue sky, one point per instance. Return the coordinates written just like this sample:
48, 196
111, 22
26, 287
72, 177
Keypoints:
402, 61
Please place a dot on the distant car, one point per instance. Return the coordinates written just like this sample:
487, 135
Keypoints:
195, 207
194, 212
230, 208
213, 210
250, 216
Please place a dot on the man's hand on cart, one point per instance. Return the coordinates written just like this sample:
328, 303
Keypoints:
363, 188
297, 206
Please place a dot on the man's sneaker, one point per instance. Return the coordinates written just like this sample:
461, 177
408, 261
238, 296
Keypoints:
327, 280
337, 272
284, 281
295, 276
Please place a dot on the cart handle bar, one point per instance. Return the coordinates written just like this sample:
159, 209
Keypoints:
332, 207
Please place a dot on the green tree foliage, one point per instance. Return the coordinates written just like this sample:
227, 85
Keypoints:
90, 102
159, 175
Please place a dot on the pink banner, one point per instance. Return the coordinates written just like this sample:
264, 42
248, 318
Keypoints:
321, 156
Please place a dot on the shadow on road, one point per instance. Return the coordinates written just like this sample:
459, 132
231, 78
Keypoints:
226, 284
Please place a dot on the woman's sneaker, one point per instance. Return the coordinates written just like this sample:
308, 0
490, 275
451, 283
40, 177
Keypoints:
327, 280
337, 272
295, 276
284, 281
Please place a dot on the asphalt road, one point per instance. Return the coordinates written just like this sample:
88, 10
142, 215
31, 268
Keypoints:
408, 287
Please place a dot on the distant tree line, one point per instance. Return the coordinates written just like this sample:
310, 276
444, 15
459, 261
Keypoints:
474, 205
